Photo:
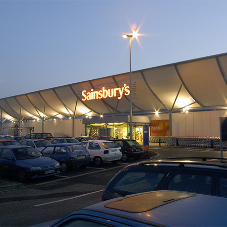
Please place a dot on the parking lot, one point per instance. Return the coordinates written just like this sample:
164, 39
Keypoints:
49, 199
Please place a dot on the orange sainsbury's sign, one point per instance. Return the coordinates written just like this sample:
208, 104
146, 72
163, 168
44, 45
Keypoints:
105, 93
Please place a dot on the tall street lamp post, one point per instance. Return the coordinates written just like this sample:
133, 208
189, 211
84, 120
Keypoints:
130, 36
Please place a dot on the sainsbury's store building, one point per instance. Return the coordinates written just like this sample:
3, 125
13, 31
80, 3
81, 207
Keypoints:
181, 99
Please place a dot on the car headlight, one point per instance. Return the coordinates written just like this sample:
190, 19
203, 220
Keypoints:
57, 164
35, 168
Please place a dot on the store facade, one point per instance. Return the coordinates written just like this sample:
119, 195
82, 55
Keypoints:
180, 99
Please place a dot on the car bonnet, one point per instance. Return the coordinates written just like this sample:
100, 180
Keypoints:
40, 161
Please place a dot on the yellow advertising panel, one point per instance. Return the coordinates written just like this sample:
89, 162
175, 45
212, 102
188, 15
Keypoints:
160, 128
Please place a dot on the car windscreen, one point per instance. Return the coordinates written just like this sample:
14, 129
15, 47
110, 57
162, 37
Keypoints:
41, 143
76, 149
71, 140
108, 145
11, 143
47, 135
133, 143
26, 153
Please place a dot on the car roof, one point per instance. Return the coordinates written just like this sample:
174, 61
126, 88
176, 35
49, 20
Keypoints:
122, 140
170, 208
63, 144
101, 141
5, 140
186, 162
15, 146
35, 139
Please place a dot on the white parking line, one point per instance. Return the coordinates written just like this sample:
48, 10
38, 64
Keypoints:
62, 200
101, 170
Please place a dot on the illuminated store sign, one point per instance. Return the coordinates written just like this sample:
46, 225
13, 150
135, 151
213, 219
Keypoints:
106, 93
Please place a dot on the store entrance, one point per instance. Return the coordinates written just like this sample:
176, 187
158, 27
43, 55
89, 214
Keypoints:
115, 130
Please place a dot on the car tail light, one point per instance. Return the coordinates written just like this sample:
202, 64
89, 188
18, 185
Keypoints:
131, 149
106, 151
72, 159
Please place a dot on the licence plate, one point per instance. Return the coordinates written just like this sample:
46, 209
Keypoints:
80, 156
114, 150
50, 171
137, 149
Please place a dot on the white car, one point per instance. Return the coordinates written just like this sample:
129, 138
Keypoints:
103, 151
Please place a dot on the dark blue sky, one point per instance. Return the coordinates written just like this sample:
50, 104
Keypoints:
45, 44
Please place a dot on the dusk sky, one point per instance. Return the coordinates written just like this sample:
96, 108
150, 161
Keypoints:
50, 43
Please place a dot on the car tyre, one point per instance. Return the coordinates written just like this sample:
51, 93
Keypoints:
21, 175
124, 157
83, 166
98, 161
115, 162
64, 167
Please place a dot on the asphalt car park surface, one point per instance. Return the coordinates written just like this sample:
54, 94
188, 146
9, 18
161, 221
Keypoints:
52, 198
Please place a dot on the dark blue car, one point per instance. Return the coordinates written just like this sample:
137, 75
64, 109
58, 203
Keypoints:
25, 162
68, 155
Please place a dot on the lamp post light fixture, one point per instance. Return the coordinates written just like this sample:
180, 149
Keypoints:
130, 36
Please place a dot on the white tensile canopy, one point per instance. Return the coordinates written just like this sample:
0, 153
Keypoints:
197, 85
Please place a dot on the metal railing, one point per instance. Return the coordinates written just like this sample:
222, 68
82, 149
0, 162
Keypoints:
206, 142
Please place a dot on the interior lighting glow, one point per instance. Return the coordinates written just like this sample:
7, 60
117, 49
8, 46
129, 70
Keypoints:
156, 112
42, 114
59, 116
183, 102
31, 115
67, 111
83, 110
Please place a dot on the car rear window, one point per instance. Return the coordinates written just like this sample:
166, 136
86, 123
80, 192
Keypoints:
41, 143
76, 149
71, 141
136, 182
133, 143
191, 182
108, 145
222, 186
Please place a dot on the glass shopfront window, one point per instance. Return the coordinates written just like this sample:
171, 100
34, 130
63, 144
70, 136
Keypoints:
115, 130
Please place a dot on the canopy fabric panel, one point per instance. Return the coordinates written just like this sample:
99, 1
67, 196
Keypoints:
197, 85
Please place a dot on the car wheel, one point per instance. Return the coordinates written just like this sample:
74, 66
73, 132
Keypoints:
83, 166
124, 157
63, 167
22, 175
97, 161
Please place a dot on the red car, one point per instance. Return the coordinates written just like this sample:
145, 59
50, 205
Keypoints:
8, 142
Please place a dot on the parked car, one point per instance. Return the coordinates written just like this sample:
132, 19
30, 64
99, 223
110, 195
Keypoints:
38, 144
8, 137
46, 136
7, 142
205, 176
84, 138
159, 208
104, 138
103, 151
25, 162
68, 155
129, 148
18, 138
64, 140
